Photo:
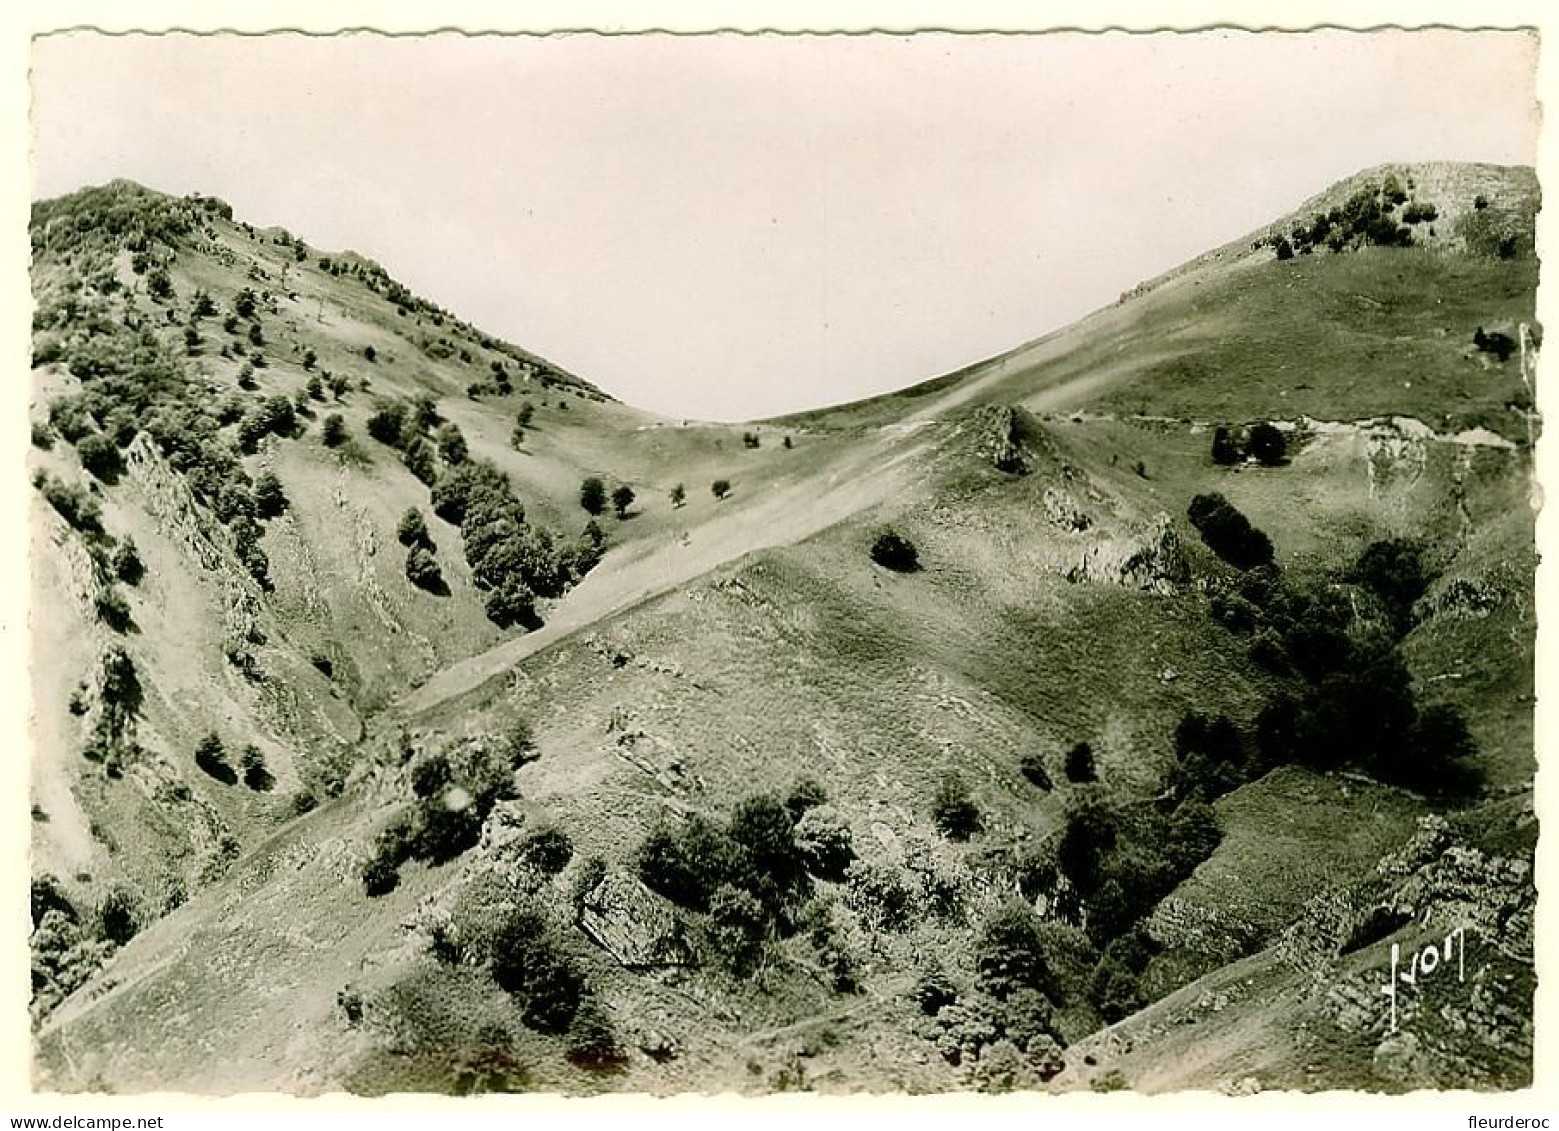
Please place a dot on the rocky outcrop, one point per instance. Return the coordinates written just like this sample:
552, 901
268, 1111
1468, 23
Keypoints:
633, 924
997, 432
1151, 559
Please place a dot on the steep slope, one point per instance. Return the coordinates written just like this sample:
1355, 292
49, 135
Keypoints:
733, 647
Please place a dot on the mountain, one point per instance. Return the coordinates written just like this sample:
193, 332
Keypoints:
987, 734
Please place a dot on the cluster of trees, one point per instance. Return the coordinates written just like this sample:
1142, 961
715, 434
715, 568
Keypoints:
751, 874
113, 560
1263, 442
69, 946
452, 792
211, 758
511, 560
1367, 217
422, 568
592, 497
1228, 533
1347, 697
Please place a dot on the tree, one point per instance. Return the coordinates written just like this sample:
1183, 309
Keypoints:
388, 424
720, 488
1010, 954
113, 610
370, 354
422, 570
333, 431
1080, 764
1268, 444
527, 411
895, 552
412, 530
738, 927
517, 437
452, 445
592, 495
1228, 533
953, 810
309, 360
418, 458
1284, 249
548, 850
622, 499
269, 498
101, 457
118, 917
826, 845
678, 495
211, 757
256, 776
1032, 767
127, 564
1225, 451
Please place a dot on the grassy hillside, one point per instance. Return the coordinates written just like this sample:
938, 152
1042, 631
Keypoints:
936, 742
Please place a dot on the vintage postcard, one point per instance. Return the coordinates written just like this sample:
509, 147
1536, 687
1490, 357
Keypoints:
922, 561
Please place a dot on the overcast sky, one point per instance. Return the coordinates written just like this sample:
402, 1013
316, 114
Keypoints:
730, 227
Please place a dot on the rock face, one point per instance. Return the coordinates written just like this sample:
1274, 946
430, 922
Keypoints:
633, 924
1150, 559
997, 429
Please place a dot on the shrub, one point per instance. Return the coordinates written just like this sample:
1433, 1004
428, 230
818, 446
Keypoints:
526, 414
1032, 767
118, 917
412, 530
738, 927
1284, 249
1225, 450
256, 776
333, 432
805, 794
878, 894
309, 360
592, 495
370, 354
113, 610
825, 843
1010, 953
422, 570
1394, 570
1268, 444
592, 1040
622, 499
1228, 533
452, 447
79, 510
211, 757
720, 488
1080, 766
269, 498
686, 865
101, 457
953, 811
418, 458
891, 551
531, 962
548, 850
388, 424
678, 495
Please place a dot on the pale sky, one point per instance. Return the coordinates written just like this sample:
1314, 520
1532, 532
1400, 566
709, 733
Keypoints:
730, 227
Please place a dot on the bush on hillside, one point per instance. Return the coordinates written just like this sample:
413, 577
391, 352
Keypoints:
1228, 533
333, 432
1225, 450
1268, 444
412, 530
953, 811
422, 570
720, 488
101, 457
622, 499
895, 552
211, 757
1079, 767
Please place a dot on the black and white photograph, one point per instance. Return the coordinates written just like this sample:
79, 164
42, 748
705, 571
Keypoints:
680, 564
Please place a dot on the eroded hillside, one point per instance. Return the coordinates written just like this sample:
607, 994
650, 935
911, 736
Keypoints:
924, 743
